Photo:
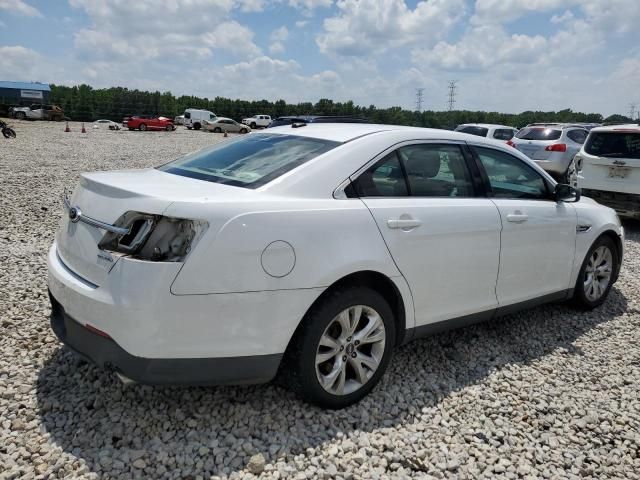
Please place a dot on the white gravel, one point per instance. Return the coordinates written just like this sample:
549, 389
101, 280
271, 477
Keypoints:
547, 393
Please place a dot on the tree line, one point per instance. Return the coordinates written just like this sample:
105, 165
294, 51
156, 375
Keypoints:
84, 103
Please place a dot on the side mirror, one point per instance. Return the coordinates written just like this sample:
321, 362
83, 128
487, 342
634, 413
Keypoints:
566, 193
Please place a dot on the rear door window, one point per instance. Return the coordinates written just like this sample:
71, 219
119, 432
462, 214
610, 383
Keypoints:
539, 133
578, 136
503, 134
614, 144
473, 130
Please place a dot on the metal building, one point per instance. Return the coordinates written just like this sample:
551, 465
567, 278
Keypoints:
24, 93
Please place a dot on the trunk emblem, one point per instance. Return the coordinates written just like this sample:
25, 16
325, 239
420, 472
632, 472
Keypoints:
74, 214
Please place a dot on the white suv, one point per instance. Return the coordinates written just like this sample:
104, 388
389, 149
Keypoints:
551, 145
608, 168
489, 130
257, 121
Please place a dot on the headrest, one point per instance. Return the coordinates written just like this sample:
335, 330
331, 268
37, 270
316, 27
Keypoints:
424, 162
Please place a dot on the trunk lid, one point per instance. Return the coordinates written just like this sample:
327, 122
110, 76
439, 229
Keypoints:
105, 196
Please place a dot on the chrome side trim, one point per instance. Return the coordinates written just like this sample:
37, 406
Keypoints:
78, 216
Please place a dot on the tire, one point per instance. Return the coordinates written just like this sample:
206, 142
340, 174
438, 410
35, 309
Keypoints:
583, 296
8, 132
299, 370
217, 130
243, 131
169, 128
253, 125
21, 115
142, 127
196, 126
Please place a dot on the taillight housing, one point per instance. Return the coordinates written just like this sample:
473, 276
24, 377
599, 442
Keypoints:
511, 144
154, 237
557, 147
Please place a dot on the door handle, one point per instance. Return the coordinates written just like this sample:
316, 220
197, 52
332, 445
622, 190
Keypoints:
517, 217
403, 223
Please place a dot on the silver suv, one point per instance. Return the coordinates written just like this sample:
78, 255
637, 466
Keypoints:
551, 145
608, 168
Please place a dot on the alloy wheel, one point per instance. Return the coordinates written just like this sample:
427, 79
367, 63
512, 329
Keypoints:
597, 275
350, 350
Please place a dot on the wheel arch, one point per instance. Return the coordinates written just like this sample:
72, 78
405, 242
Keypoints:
617, 241
379, 282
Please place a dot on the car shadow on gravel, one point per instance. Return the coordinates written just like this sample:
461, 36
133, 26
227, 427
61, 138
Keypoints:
189, 431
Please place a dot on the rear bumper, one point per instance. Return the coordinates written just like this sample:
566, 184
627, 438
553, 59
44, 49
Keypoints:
625, 204
106, 353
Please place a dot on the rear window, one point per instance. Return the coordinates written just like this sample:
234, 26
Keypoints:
613, 144
539, 133
249, 161
503, 134
473, 130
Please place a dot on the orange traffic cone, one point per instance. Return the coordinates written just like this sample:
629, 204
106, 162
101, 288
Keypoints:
67, 129
225, 133
83, 129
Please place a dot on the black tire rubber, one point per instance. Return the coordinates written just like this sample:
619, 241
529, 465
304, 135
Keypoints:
142, 127
20, 116
8, 132
297, 371
253, 125
580, 299
196, 126
217, 130
243, 131
169, 128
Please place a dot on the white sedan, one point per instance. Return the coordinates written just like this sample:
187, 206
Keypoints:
104, 123
312, 251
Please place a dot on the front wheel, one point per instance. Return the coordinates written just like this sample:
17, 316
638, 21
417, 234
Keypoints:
243, 130
342, 349
169, 128
8, 132
142, 127
597, 274
20, 115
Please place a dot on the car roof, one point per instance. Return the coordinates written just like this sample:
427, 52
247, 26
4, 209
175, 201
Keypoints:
561, 126
222, 118
486, 125
625, 127
345, 132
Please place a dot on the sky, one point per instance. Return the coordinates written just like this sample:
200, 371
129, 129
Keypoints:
506, 55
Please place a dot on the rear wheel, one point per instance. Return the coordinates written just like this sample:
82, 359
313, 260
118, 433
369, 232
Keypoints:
253, 125
8, 132
596, 274
342, 349
196, 126
243, 130
20, 115
217, 130
142, 127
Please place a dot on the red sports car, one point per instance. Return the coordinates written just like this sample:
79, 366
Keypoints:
149, 123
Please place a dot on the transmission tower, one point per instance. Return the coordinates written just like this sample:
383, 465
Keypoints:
632, 110
419, 92
452, 94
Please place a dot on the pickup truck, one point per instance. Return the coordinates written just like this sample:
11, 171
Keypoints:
257, 121
38, 111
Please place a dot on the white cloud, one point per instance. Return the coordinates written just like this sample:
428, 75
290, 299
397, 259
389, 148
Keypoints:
365, 26
16, 58
301, 23
278, 37
309, 5
19, 7
565, 17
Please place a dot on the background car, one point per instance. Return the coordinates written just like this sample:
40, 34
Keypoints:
223, 124
257, 121
313, 253
38, 111
489, 130
104, 123
552, 146
150, 123
608, 168
194, 117
291, 119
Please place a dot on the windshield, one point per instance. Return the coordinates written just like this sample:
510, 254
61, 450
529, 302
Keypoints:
249, 161
473, 130
539, 133
614, 144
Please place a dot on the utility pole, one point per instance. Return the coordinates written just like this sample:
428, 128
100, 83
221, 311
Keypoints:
419, 92
452, 94
632, 110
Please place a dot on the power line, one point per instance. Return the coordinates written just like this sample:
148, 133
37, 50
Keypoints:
419, 92
452, 94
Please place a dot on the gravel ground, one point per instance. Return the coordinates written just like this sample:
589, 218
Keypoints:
547, 393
